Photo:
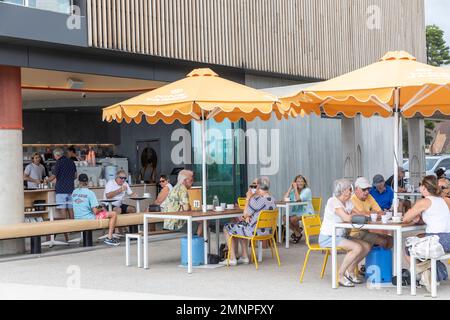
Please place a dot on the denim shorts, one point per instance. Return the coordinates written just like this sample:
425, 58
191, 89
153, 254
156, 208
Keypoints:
65, 199
326, 241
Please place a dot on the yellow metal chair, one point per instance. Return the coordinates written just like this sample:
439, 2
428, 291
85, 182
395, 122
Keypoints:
312, 224
266, 219
317, 205
242, 202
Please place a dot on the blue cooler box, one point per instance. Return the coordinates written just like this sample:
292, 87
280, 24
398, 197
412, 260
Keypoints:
379, 265
198, 247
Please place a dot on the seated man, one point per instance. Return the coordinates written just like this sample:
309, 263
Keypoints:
85, 207
365, 204
117, 189
383, 195
178, 200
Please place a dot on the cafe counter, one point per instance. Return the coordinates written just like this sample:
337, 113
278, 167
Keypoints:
48, 196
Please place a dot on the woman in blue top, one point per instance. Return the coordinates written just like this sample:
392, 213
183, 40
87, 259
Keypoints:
299, 191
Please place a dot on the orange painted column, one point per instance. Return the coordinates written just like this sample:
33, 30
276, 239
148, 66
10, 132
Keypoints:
10, 98
11, 155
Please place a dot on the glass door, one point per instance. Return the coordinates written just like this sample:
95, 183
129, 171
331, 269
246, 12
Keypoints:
226, 173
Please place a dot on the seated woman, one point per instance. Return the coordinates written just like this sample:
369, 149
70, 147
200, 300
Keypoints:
433, 210
166, 187
259, 201
299, 191
444, 184
339, 209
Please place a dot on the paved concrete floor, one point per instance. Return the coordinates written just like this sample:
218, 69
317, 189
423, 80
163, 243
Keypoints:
102, 274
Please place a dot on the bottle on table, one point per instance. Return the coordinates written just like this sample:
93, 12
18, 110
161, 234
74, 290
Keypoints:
216, 202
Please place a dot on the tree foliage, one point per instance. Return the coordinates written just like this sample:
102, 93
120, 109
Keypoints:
438, 53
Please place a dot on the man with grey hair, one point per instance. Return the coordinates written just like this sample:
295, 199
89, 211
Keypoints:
178, 200
117, 189
65, 173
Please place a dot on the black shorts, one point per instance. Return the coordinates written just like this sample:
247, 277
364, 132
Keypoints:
123, 208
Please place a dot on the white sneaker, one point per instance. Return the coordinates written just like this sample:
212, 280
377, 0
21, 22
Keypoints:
225, 262
242, 260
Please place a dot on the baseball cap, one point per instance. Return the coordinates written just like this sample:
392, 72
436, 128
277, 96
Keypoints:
378, 179
83, 177
401, 169
362, 183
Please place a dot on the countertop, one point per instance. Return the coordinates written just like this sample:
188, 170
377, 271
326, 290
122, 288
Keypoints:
52, 190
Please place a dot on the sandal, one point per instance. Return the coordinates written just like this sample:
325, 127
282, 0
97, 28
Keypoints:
344, 282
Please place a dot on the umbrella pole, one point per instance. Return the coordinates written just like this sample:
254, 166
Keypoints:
396, 147
203, 123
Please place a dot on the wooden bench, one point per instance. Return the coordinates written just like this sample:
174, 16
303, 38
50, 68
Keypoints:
35, 231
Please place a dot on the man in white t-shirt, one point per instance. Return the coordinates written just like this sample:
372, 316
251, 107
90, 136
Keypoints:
34, 172
117, 189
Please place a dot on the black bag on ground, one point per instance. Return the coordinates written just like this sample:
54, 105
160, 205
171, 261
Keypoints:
406, 278
223, 252
213, 259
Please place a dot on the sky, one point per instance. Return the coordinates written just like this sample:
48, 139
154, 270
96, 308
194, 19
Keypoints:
438, 12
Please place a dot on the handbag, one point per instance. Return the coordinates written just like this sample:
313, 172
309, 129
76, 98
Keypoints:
360, 219
425, 248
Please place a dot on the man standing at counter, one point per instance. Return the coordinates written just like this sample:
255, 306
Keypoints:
34, 172
117, 189
65, 174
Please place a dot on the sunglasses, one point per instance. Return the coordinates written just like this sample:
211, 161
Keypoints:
122, 178
366, 190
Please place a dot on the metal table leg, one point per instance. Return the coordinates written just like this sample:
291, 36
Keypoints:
206, 239
333, 259
287, 227
189, 235
399, 260
145, 243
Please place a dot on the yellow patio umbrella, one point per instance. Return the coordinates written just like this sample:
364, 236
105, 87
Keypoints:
395, 84
201, 96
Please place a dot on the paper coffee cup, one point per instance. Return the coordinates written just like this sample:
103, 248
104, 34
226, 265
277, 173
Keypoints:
374, 217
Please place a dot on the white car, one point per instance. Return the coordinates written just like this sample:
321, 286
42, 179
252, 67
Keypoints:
432, 163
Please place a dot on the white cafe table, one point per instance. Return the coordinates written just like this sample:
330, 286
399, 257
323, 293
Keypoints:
191, 216
108, 202
287, 208
138, 202
51, 214
397, 228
